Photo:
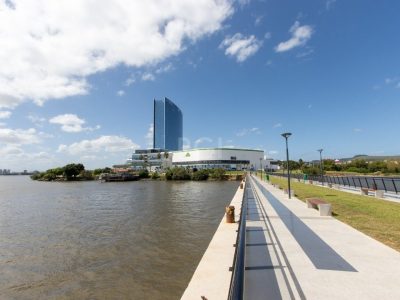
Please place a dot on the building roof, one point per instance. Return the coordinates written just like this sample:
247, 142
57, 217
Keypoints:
236, 149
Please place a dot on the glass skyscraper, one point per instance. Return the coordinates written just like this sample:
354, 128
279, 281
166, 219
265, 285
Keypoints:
168, 120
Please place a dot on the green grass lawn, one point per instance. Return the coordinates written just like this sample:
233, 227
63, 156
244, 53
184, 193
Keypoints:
379, 219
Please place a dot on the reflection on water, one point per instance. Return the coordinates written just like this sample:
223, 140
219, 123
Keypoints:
92, 240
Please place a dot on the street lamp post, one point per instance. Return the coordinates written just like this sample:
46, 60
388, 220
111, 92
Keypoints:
321, 165
286, 135
261, 167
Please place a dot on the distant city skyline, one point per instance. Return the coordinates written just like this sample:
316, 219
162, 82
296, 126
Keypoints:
79, 88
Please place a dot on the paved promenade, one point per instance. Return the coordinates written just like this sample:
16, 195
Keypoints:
294, 253
302, 255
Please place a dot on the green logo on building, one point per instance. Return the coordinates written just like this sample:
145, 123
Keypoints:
187, 154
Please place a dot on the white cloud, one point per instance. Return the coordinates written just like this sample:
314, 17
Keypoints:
19, 136
255, 130
202, 140
273, 152
277, 125
240, 47
246, 131
394, 81
165, 69
105, 143
131, 80
258, 20
305, 53
5, 114
357, 130
329, 4
267, 35
38, 121
148, 77
243, 2
71, 123
49, 48
300, 36
149, 136
16, 157
121, 93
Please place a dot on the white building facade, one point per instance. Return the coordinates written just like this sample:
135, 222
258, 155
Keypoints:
226, 158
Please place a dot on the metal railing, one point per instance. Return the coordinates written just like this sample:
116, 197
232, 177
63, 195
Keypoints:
387, 184
236, 288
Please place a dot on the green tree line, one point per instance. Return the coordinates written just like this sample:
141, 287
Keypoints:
356, 166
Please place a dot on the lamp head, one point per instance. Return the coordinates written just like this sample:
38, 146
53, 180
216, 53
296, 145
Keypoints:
286, 134
320, 150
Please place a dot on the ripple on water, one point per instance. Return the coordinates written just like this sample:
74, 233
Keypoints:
91, 240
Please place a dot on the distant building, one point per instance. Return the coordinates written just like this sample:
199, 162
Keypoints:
226, 158
168, 125
152, 159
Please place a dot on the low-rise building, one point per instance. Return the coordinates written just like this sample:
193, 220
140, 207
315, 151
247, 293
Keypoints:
226, 158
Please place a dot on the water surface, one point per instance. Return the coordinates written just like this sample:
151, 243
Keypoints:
92, 240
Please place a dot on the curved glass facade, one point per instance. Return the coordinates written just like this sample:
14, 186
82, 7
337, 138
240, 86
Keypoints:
168, 125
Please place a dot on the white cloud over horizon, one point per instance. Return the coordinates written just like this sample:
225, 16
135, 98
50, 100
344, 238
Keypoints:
300, 36
202, 140
149, 136
240, 46
52, 55
71, 123
105, 143
246, 131
10, 136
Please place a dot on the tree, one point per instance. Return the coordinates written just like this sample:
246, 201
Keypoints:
73, 170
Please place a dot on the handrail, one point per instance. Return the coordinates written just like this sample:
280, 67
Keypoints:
387, 184
236, 288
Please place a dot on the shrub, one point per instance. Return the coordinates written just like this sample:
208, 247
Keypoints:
200, 175
144, 173
177, 174
86, 175
357, 170
168, 174
155, 175
180, 174
37, 176
217, 174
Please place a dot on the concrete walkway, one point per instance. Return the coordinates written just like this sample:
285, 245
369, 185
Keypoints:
293, 253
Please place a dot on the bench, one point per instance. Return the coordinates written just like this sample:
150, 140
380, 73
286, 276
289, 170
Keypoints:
365, 191
323, 207
378, 193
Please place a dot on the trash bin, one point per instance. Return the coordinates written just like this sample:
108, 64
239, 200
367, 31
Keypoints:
267, 177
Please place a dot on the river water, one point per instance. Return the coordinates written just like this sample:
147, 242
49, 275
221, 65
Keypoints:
93, 240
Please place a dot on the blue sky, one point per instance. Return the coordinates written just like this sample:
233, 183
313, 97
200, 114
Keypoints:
77, 82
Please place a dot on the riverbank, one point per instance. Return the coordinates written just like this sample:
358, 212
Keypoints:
80, 174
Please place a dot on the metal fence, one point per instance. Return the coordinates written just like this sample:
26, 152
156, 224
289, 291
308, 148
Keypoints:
387, 184
236, 288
